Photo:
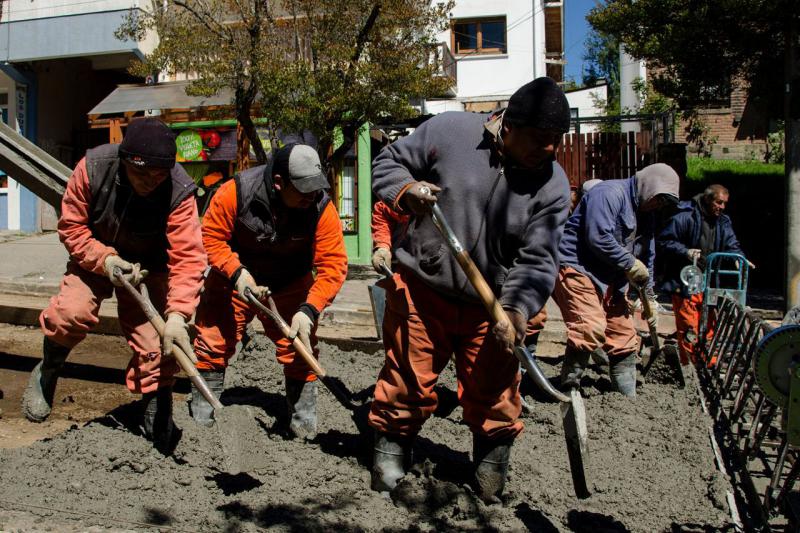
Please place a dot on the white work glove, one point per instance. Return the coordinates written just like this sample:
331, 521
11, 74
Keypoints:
693, 254
246, 281
638, 274
381, 256
176, 332
301, 328
132, 272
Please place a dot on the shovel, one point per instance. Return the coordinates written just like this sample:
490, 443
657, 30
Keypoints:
230, 422
377, 297
333, 384
670, 353
573, 413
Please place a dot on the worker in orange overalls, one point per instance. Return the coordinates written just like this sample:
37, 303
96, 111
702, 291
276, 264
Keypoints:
269, 229
699, 228
496, 180
130, 207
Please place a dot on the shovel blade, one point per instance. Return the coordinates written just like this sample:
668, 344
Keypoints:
573, 415
377, 296
241, 440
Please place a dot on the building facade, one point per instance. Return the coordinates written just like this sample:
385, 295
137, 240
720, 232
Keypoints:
57, 60
499, 46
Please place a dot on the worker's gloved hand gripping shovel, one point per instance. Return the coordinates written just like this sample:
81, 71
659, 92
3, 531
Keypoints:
572, 409
331, 383
670, 352
231, 423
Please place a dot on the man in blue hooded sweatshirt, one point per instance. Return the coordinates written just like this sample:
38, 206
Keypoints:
597, 262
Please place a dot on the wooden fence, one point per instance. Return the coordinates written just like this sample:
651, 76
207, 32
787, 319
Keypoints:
588, 156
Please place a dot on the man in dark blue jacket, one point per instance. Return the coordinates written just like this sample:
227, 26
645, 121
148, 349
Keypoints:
597, 261
698, 229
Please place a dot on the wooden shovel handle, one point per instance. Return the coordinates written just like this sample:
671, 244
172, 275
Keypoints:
300, 348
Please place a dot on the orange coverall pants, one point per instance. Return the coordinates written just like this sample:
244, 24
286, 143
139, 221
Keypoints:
222, 317
687, 318
75, 310
421, 329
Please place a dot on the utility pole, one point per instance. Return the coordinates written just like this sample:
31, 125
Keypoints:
792, 157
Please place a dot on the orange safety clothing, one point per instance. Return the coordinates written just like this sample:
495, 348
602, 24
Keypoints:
385, 224
421, 329
592, 319
330, 256
222, 317
687, 319
74, 311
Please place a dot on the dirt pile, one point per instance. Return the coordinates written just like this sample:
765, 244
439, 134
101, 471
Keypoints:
652, 467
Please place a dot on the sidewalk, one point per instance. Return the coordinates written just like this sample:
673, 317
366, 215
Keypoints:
31, 270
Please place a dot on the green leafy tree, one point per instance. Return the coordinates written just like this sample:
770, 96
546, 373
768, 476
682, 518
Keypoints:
601, 53
695, 48
301, 64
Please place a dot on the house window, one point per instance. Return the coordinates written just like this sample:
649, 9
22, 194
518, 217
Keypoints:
479, 36
348, 193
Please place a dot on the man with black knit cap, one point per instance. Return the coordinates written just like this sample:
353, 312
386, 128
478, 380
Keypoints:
273, 227
496, 181
130, 208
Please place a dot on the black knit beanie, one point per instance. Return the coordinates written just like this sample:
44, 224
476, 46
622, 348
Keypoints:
148, 142
538, 104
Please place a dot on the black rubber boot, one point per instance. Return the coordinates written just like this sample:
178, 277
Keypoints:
623, 375
571, 371
157, 419
201, 410
390, 459
37, 401
301, 400
490, 458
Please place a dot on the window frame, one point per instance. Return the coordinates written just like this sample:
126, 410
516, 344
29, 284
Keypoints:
480, 50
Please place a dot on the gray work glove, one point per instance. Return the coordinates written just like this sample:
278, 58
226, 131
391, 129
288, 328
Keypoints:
177, 333
301, 328
638, 274
381, 256
420, 197
132, 272
693, 254
246, 281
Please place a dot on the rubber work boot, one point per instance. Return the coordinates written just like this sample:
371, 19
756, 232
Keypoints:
623, 375
391, 457
571, 371
37, 401
490, 457
301, 399
157, 418
201, 410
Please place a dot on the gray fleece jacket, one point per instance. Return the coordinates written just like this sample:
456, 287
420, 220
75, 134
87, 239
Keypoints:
509, 219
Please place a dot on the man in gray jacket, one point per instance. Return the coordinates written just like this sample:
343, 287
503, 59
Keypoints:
496, 181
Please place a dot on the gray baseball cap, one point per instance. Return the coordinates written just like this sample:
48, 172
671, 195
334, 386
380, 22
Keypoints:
300, 164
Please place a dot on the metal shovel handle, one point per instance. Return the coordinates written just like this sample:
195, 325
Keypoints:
491, 302
153, 316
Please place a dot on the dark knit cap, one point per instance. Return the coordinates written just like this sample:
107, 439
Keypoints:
148, 142
539, 104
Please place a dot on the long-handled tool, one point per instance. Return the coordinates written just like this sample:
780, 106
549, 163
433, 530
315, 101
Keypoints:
331, 383
377, 297
573, 413
669, 351
235, 427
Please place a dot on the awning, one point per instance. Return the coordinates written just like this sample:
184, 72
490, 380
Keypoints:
169, 95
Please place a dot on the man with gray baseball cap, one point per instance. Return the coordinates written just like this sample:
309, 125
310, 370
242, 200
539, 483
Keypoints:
266, 230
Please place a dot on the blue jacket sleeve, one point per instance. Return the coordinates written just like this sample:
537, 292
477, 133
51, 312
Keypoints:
601, 213
729, 242
531, 279
647, 252
402, 163
671, 240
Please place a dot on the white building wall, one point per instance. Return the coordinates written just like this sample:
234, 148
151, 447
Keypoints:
629, 70
501, 74
583, 100
16, 10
